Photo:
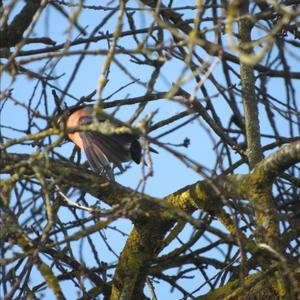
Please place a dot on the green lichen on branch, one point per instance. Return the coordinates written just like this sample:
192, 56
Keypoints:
153, 218
140, 249
258, 286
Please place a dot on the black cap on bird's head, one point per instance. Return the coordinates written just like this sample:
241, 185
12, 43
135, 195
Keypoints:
62, 110
73, 108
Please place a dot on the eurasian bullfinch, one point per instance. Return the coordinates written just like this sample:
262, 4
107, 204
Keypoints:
101, 150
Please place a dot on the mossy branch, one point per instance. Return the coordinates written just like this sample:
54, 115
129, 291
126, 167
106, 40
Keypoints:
147, 236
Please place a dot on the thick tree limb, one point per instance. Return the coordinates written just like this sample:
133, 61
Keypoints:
13, 33
254, 152
144, 241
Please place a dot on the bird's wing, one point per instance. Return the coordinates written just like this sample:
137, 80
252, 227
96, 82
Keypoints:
97, 159
117, 148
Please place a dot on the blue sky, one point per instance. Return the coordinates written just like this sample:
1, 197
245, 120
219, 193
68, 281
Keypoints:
169, 173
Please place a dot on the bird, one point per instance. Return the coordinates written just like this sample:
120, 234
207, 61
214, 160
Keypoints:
102, 150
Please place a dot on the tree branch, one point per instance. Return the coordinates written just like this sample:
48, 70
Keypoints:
12, 34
